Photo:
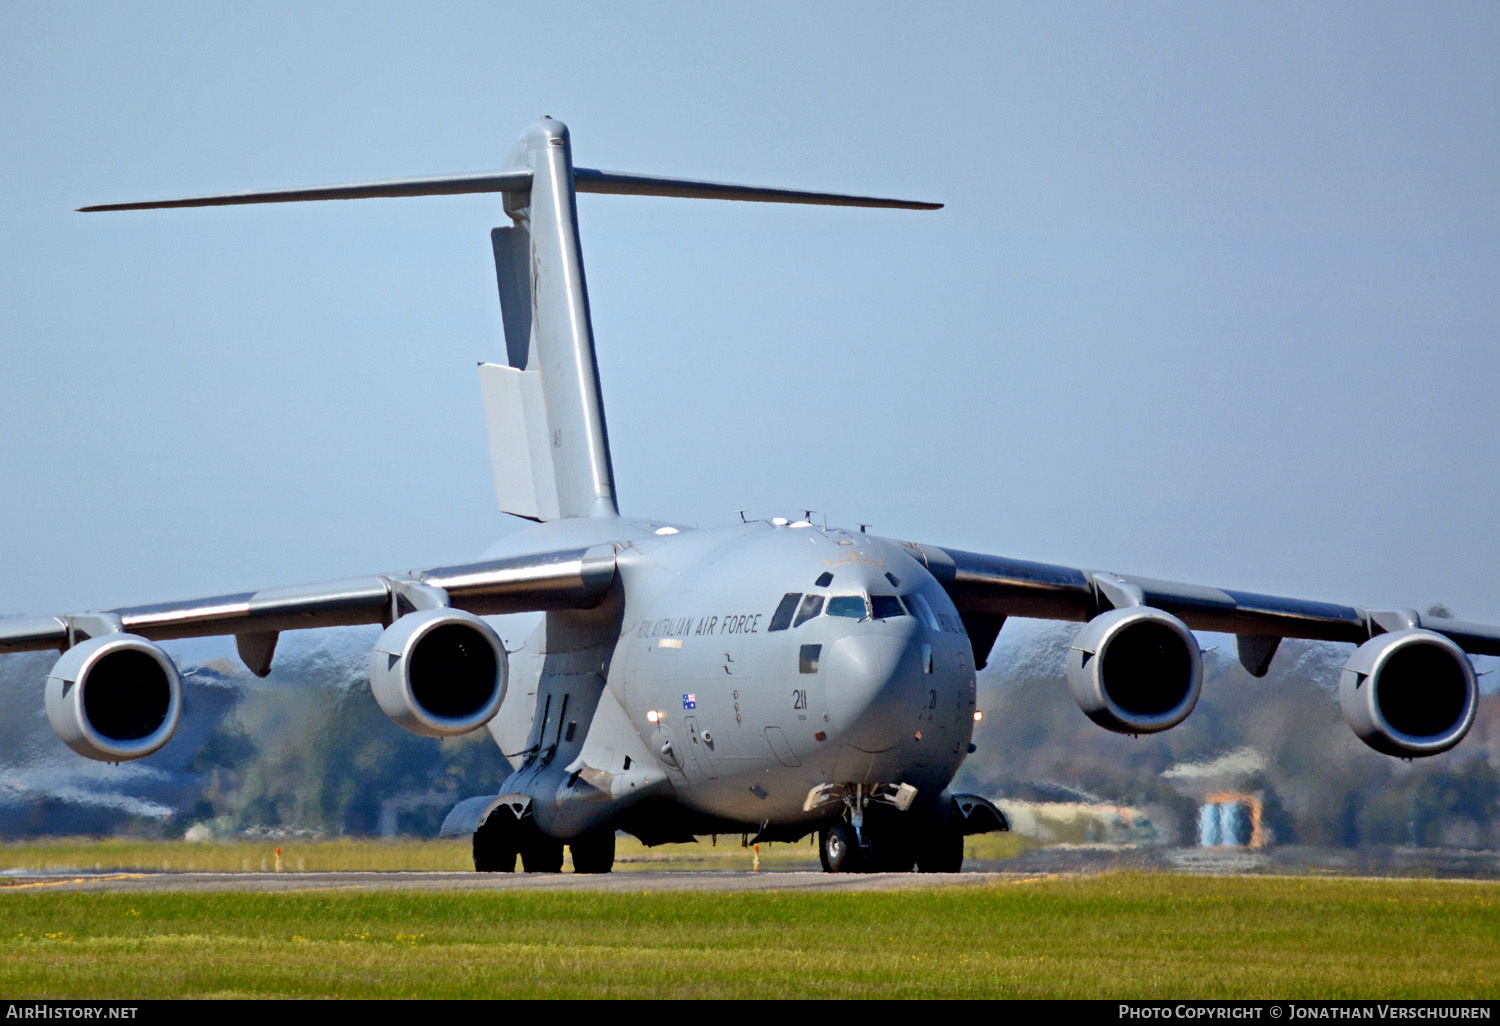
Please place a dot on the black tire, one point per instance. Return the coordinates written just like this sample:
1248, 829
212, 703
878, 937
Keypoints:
943, 851
594, 853
541, 854
837, 849
892, 847
893, 853
495, 844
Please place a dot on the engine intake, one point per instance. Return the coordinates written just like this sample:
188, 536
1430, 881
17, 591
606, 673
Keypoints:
114, 698
439, 672
1409, 693
1135, 670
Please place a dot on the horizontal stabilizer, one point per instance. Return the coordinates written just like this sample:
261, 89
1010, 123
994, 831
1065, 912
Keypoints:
621, 184
519, 181
445, 185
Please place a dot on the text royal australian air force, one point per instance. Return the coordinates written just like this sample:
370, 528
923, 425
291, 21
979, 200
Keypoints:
684, 626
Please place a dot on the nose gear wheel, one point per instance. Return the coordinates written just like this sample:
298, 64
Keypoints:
838, 849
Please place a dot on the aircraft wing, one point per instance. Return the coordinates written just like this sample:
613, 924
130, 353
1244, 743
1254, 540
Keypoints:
565, 579
986, 587
996, 587
437, 670
1409, 689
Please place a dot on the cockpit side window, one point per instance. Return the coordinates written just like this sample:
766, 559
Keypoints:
884, 607
852, 606
812, 605
782, 618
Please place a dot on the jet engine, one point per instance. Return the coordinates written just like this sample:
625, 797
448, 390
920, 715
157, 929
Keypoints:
1135, 670
439, 672
114, 698
1409, 693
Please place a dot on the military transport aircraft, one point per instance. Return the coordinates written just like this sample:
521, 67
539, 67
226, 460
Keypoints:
772, 677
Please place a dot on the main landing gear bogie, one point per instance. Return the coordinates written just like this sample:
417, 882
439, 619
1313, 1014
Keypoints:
496, 843
541, 854
502, 838
594, 853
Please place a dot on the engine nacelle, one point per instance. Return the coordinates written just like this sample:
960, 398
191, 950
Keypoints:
1409, 693
439, 672
1136, 670
114, 698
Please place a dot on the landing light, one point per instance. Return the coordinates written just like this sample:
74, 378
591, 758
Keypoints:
978, 715
653, 716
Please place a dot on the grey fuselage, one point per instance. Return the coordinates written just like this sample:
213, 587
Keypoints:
687, 689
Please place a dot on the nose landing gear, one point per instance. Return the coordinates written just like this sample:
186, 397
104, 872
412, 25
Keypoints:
838, 849
880, 831
943, 850
874, 835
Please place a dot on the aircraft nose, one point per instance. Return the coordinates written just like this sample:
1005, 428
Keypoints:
868, 679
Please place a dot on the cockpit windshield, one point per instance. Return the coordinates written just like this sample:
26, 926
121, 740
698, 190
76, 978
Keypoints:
796, 609
852, 606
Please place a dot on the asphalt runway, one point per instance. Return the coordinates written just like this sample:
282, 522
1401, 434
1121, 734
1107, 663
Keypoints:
626, 882
1040, 863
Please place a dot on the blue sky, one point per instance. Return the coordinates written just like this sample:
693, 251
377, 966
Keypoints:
1212, 298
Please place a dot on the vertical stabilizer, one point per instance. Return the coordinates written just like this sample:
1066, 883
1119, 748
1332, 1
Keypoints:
548, 444
549, 342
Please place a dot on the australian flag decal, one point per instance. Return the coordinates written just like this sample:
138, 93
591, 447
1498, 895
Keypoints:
690, 701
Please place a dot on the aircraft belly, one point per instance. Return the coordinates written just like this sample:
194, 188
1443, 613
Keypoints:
754, 795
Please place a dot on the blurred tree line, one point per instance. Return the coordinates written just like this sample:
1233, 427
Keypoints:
1320, 784
308, 749
305, 749
326, 759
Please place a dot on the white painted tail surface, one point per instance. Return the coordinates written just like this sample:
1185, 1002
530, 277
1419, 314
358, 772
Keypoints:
515, 415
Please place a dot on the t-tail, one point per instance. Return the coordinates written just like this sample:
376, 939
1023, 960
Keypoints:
549, 447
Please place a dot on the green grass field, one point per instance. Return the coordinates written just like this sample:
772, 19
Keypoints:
1108, 936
